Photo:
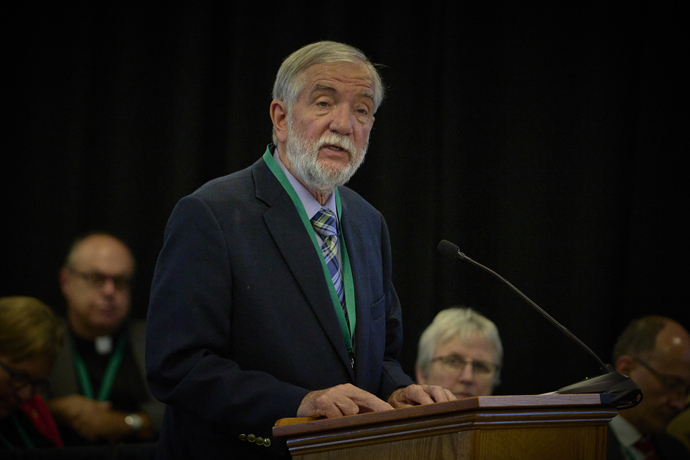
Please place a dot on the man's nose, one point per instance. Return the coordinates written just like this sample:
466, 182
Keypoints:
26, 392
341, 122
109, 286
677, 401
467, 373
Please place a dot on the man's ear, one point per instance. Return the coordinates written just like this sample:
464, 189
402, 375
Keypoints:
420, 377
279, 117
63, 278
624, 364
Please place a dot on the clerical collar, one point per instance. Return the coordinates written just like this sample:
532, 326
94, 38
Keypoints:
103, 344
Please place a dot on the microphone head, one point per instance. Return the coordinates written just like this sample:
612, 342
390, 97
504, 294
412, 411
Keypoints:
447, 248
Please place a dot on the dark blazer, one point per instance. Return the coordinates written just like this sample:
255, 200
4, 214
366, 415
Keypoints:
63, 377
241, 325
668, 447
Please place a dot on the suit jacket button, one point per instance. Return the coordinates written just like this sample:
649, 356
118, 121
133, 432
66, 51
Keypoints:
243, 437
267, 442
251, 437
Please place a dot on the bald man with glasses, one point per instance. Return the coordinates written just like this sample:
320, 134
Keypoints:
98, 387
655, 352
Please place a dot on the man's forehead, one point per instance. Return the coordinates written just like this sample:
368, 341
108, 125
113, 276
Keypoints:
102, 250
673, 339
472, 341
672, 352
339, 76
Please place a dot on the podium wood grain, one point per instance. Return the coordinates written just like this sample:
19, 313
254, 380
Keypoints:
559, 427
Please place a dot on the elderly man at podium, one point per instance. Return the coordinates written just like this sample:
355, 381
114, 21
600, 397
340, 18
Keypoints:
655, 352
273, 293
461, 351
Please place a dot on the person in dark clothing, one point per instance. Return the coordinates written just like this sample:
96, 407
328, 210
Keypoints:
655, 352
98, 389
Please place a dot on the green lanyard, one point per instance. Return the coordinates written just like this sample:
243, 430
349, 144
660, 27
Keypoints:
25, 437
347, 331
110, 371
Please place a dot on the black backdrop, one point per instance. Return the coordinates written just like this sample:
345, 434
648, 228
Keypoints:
547, 144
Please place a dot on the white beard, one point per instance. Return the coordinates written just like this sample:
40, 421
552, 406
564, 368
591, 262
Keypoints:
303, 155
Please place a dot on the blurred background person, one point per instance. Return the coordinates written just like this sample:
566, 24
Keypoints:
30, 337
680, 426
462, 352
98, 390
654, 351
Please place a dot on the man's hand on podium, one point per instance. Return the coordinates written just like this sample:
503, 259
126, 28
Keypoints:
415, 395
345, 399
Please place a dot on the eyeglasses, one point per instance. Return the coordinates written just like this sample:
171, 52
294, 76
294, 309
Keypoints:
98, 280
673, 386
20, 380
456, 364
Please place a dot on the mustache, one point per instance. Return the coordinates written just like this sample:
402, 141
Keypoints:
338, 140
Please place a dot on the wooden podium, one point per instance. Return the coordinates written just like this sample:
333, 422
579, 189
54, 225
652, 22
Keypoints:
541, 427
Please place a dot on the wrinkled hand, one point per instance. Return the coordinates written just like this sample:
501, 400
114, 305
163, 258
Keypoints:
91, 419
345, 399
415, 395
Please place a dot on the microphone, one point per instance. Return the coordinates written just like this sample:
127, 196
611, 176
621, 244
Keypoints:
616, 389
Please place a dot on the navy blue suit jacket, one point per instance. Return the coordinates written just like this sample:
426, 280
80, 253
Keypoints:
241, 325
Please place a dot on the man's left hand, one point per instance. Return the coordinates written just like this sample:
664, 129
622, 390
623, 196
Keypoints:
415, 395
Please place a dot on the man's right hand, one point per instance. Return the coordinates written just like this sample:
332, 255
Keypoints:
94, 420
345, 399
84, 415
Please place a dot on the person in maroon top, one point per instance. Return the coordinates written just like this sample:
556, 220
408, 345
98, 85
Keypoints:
30, 338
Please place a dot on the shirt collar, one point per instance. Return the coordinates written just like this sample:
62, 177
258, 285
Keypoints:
311, 206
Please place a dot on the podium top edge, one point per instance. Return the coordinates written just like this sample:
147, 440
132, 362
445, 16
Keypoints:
290, 426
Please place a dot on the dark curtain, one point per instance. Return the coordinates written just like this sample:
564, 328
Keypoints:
546, 143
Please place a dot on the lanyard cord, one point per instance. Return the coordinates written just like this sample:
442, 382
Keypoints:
110, 371
346, 329
22, 434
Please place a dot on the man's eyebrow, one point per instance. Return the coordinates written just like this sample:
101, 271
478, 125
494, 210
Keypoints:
329, 89
319, 87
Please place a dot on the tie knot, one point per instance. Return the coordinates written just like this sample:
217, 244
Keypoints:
324, 223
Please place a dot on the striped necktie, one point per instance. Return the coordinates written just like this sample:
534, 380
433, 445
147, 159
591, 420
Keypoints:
324, 224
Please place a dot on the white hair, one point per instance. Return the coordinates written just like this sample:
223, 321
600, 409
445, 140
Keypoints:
457, 322
290, 78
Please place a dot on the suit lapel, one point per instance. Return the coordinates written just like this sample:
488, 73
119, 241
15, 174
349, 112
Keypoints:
357, 256
291, 238
613, 447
